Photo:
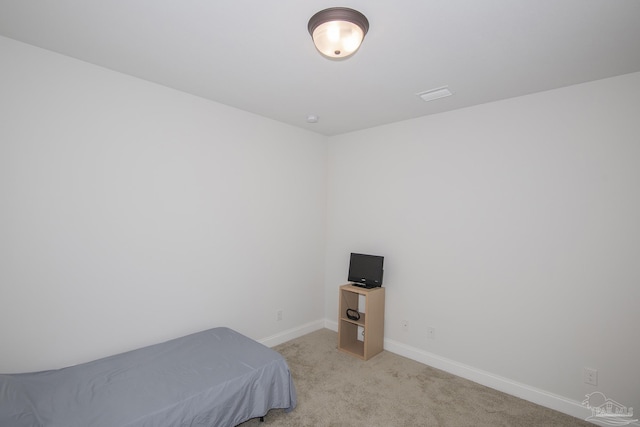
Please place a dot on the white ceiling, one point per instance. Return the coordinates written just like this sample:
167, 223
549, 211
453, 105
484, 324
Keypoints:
257, 55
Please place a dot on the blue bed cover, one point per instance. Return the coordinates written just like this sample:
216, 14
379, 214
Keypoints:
216, 377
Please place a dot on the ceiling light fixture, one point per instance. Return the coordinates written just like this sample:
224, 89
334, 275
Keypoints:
338, 32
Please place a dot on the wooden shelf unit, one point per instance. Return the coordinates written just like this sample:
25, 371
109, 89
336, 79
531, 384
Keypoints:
371, 321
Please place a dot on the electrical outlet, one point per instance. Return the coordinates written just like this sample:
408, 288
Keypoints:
279, 315
405, 325
431, 333
590, 376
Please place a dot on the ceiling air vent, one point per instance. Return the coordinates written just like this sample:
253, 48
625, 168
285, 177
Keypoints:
433, 94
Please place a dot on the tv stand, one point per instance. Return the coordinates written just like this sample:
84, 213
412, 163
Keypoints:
371, 321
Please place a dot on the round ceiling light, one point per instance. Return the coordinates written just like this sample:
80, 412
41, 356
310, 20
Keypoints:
338, 32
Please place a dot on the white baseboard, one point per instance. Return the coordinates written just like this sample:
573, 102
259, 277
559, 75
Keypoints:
329, 324
514, 388
293, 333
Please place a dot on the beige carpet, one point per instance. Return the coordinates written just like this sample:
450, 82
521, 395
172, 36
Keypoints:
335, 389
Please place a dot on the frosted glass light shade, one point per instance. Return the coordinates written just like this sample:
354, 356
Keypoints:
337, 39
338, 32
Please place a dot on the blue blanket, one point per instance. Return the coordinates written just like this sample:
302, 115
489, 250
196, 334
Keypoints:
216, 378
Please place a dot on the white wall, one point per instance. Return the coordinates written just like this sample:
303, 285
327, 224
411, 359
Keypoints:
512, 228
131, 213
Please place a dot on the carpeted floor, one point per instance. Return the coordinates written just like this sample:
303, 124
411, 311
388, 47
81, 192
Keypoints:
335, 389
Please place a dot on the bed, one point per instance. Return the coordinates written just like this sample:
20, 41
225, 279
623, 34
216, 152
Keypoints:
216, 377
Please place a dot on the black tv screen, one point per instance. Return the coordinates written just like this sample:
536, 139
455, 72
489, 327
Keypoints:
366, 270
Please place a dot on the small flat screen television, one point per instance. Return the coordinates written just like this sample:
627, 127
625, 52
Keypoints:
366, 270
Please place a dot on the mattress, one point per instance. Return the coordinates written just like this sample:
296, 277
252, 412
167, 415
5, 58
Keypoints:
216, 377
